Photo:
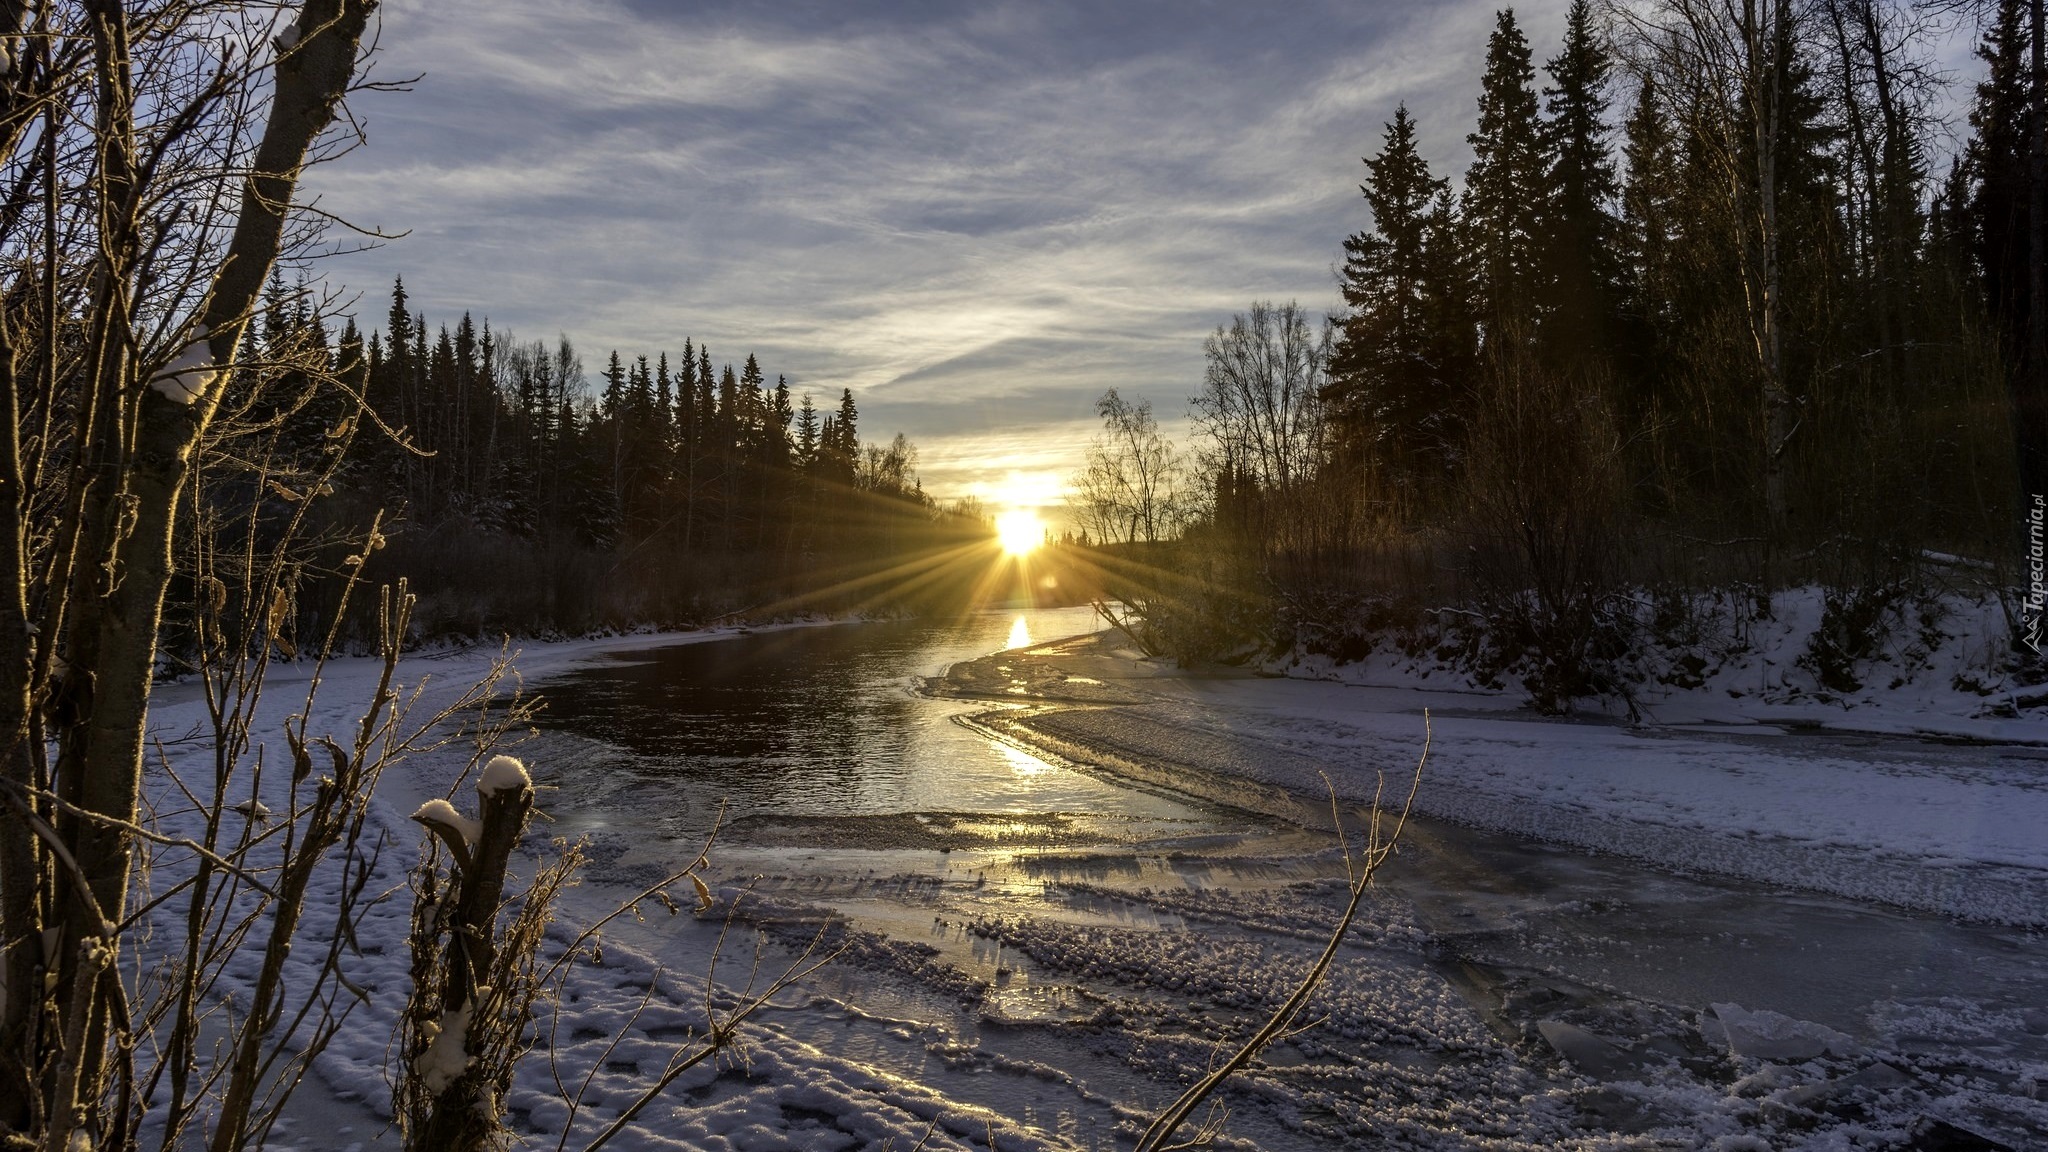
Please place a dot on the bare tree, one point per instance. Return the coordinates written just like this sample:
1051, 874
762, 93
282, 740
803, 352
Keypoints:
1135, 486
1727, 67
151, 154
1261, 400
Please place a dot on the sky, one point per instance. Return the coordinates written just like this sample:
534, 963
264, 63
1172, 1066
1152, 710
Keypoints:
978, 216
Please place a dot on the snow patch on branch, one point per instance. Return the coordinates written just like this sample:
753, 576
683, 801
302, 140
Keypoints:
443, 813
503, 774
187, 377
446, 1057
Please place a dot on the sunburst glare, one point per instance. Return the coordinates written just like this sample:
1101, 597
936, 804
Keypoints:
1019, 531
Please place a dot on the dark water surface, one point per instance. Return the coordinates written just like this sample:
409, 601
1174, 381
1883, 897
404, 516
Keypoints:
821, 731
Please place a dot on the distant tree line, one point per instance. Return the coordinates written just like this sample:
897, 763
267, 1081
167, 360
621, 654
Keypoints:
520, 494
1706, 311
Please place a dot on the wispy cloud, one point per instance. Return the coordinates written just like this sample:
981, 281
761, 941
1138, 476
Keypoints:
977, 217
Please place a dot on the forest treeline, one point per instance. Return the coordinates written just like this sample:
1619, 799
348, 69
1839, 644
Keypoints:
1716, 305
522, 494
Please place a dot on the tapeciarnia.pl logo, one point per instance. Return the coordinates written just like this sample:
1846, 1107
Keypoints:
2037, 573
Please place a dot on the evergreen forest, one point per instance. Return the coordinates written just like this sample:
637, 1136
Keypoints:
1719, 308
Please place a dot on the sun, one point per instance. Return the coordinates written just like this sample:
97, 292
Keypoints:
1019, 531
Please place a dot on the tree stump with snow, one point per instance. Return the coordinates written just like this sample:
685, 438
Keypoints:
465, 1113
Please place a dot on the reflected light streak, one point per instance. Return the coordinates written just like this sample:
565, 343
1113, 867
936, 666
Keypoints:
1020, 634
1021, 762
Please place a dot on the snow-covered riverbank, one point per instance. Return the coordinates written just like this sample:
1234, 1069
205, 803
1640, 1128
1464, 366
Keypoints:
1958, 828
1046, 992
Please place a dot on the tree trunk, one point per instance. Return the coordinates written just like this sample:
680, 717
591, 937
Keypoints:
137, 447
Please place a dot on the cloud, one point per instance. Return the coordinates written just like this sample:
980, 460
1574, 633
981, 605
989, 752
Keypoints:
977, 217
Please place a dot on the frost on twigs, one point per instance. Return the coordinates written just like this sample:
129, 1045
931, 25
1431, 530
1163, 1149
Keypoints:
503, 774
187, 377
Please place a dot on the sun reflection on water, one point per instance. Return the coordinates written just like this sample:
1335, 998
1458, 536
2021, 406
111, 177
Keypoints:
1020, 634
1021, 762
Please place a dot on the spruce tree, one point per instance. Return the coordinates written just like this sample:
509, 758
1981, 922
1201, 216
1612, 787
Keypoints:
2003, 216
1384, 380
1506, 186
1581, 270
849, 422
1646, 235
1998, 155
1450, 318
806, 434
780, 415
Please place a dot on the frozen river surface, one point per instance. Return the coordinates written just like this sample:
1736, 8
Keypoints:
1048, 950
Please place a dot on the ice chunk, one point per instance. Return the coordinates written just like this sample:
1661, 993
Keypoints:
187, 377
1596, 1055
503, 774
1767, 1035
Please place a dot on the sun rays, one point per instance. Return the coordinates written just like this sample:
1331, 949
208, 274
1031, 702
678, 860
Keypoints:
1019, 531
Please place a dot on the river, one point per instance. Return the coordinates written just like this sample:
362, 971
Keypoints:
1062, 948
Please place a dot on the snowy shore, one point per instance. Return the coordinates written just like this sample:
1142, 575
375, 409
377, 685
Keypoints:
1949, 826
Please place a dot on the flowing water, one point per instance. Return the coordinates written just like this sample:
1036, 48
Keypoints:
817, 726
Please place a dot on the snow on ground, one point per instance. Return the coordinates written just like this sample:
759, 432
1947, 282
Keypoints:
611, 1038
1052, 998
1935, 666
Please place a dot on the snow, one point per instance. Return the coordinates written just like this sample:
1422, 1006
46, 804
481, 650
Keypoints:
1047, 998
776, 1091
503, 774
187, 377
446, 1056
441, 812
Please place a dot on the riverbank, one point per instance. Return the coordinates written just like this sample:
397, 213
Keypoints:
1953, 828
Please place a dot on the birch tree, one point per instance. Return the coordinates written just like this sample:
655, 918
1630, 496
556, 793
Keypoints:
1729, 63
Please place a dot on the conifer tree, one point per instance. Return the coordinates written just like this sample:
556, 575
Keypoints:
849, 422
2009, 215
779, 418
664, 404
1581, 269
806, 434
1648, 223
1450, 317
613, 400
1506, 186
1385, 382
